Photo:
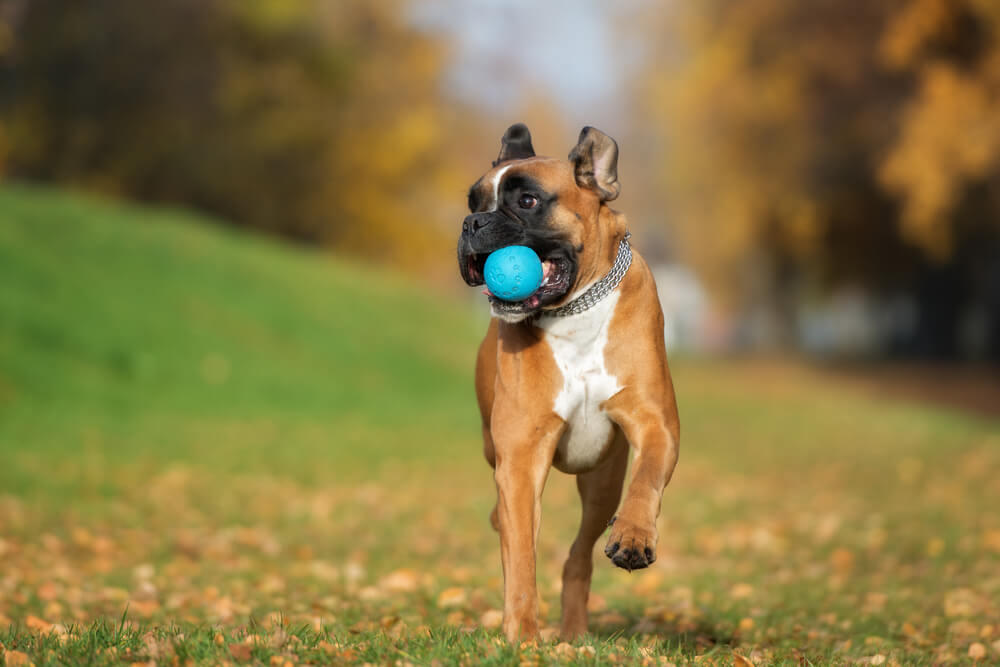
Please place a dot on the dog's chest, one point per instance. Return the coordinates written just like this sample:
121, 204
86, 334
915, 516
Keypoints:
578, 344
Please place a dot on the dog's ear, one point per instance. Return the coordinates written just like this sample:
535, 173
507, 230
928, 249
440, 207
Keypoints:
595, 161
515, 144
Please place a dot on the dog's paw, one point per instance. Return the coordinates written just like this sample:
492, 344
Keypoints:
629, 546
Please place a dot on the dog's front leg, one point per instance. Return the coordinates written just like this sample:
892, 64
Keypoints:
524, 450
653, 433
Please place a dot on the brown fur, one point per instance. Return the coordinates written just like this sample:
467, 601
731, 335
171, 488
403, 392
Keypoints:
517, 381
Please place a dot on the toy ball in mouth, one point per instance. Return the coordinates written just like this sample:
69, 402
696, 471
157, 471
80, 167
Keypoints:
513, 273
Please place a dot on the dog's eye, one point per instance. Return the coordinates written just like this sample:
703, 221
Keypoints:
527, 201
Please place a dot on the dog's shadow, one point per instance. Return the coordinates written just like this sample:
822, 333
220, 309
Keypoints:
699, 633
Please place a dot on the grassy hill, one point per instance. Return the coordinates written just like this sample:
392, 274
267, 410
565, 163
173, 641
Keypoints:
153, 328
215, 447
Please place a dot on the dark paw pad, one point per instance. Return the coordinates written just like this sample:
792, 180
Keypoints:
630, 546
632, 558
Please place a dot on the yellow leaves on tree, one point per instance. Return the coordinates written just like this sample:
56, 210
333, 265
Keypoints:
829, 137
320, 121
950, 135
750, 112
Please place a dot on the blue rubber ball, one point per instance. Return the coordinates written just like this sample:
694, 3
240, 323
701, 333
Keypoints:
513, 273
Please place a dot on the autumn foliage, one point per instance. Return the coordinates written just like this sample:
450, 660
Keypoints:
823, 143
307, 119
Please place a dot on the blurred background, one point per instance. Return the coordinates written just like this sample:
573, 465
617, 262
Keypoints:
235, 346
820, 177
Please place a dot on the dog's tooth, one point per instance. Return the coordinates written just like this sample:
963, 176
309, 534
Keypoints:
546, 272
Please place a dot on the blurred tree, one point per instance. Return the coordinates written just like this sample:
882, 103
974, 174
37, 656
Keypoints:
318, 121
831, 142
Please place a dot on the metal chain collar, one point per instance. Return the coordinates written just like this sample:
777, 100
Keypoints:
602, 287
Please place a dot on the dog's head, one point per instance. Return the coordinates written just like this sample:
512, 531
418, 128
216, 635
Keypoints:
555, 207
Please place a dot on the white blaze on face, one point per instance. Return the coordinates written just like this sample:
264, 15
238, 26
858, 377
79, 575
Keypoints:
493, 205
495, 182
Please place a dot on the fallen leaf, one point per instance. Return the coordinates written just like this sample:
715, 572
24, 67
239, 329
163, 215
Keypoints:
354, 572
960, 602
47, 591
977, 651
740, 661
143, 608
53, 610
400, 581
741, 591
369, 593
963, 629
491, 619
37, 624
564, 650
241, 652
875, 602
16, 659
842, 560
452, 597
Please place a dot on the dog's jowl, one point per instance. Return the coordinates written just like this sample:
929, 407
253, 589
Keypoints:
575, 375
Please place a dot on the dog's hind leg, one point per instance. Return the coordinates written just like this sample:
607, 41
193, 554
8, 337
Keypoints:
600, 490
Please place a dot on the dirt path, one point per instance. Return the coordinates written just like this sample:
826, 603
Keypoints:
971, 388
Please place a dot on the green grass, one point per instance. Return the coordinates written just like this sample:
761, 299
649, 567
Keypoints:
217, 448
177, 339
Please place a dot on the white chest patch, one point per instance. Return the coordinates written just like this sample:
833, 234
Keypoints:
578, 344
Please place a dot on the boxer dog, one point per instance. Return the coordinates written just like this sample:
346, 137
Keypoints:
573, 376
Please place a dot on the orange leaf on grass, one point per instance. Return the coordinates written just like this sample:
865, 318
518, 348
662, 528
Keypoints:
37, 624
16, 658
740, 661
241, 652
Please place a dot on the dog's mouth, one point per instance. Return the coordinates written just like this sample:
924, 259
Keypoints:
557, 278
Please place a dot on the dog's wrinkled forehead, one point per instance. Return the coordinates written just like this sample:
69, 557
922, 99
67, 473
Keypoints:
539, 176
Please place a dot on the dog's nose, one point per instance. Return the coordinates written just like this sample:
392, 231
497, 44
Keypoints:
475, 222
